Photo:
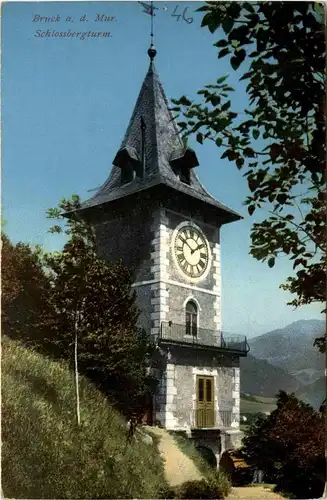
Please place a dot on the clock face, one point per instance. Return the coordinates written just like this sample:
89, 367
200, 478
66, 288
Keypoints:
191, 251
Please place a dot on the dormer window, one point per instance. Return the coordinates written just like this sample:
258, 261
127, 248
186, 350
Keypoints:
182, 164
127, 173
184, 175
128, 162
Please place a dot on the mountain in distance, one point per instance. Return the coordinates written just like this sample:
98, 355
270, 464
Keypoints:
258, 377
291, 349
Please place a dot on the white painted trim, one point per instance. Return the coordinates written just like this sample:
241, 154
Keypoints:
191, 297
204, 371
173, 282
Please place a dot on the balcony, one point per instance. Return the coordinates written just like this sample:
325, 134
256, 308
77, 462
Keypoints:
172, 333
208, 419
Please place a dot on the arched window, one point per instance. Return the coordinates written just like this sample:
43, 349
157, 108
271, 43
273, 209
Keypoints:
191, 318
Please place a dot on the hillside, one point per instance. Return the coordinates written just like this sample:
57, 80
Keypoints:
291, 349
314, 394
45, 455
263, 379
256, 404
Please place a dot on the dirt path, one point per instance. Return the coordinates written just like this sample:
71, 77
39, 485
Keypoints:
253, 492
178, 467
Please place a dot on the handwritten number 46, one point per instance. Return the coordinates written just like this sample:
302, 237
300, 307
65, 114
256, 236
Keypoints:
189, 20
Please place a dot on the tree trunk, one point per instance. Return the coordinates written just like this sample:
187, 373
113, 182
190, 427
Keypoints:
325, 12
78, 417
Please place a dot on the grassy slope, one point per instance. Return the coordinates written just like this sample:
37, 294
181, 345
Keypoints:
44, 454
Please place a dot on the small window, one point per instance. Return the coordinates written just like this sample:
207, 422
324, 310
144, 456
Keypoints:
191, 318
185, 175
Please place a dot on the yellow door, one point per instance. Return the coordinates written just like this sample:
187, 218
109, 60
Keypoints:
205, 410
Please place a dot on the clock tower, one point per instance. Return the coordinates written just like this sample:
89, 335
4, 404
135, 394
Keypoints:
154, 214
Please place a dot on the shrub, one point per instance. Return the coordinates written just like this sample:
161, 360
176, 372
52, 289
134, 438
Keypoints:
199, 489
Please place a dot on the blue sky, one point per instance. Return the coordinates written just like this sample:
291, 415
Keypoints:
66, 103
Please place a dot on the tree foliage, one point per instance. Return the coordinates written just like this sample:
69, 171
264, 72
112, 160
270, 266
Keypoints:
288, 445
26, 307
112, 350
279, 139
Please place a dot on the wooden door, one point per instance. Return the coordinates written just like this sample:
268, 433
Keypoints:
205, 402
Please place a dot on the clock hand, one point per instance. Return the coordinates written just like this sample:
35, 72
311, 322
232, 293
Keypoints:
197, 248
185, 241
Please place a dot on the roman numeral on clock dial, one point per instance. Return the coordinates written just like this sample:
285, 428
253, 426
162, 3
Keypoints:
202, 264
195, 270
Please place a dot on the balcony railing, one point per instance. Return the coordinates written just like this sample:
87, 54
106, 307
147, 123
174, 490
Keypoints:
174, 333
205, 418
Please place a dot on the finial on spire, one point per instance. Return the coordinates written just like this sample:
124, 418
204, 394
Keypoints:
152, 52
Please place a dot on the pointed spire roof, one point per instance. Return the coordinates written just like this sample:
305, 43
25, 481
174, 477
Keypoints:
164, 148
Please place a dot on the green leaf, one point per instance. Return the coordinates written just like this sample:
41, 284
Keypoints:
199, 137
203, 8
222, 79
319, 9
255, 133
251, 209
249, 152
219, 141
206, 20
213, 22
223, 53
239, 163
184, 101
271, 262
221, 43
237, 59
234, 62
227, 24
226, 106
215, 100
248, 6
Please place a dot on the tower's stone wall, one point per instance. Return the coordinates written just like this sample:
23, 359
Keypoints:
185, 365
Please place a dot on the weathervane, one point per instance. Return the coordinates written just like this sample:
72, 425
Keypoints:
149, 9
